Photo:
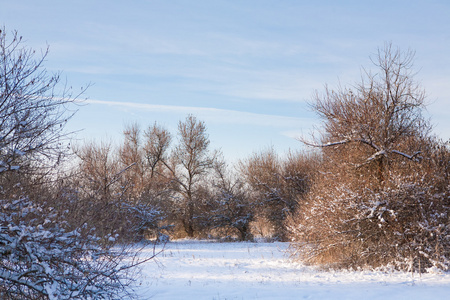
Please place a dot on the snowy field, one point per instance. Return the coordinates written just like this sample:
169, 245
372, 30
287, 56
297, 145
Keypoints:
211, 270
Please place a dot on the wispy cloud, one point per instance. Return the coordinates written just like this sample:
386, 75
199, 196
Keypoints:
215, 115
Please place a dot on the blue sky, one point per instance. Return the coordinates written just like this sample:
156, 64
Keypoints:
247, 68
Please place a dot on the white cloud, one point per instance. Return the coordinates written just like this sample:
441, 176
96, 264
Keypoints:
215, 115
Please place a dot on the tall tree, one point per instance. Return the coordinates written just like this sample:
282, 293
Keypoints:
193, 161
381, 116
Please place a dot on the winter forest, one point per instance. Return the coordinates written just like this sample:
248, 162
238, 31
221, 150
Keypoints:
369, 190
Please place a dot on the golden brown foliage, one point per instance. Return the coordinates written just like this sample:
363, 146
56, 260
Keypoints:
382, 194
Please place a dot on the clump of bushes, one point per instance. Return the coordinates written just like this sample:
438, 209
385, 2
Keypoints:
382, 194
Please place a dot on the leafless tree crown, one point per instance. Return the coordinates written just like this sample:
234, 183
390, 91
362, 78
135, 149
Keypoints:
380, 113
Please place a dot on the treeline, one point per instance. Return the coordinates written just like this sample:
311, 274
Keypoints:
157, 184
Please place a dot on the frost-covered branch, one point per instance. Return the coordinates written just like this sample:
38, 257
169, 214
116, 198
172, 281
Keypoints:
342, 142
414, 157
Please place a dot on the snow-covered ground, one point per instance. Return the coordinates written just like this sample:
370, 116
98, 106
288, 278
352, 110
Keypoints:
211, 270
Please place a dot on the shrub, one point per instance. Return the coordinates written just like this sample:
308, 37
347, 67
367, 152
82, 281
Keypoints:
41, 257
382, 194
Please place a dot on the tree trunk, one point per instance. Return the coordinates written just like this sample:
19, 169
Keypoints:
189, 219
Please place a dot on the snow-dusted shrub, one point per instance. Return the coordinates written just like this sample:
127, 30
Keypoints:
404, 225
41, 257
382, 196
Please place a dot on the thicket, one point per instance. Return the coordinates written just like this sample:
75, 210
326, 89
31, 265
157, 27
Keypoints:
186, 189
381, 197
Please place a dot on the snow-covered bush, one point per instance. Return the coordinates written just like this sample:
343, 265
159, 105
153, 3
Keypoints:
382, 196
404, 225
41, 257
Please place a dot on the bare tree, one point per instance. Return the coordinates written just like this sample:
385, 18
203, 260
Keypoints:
192, 161
149, 183
156, 147
34, 108
262, 172
379, 116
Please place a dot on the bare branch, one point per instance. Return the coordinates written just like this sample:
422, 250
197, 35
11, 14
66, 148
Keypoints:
413, 157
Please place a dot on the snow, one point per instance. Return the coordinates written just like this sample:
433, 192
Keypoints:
19, 152
212, 270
